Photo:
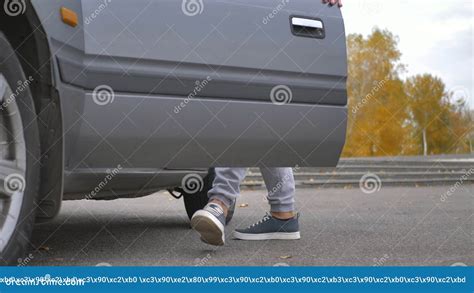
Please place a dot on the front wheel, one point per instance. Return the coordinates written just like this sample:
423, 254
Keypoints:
19, 157
195, 200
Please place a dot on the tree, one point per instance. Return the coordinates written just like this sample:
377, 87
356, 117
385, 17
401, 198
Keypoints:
470, 121
377, 113
426, 94
461, 125
442, 125
391, 116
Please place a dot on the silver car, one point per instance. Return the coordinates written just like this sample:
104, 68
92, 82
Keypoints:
103, 99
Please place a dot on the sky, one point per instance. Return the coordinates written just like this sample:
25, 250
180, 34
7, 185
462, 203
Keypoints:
435, 36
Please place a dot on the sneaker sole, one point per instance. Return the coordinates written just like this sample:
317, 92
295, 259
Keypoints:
210, 229
268, 236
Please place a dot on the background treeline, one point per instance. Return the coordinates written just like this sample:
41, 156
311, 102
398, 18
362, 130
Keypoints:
390, 115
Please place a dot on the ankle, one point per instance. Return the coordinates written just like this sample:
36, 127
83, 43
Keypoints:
283, 215
221, 204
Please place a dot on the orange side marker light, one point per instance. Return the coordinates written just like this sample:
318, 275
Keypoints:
68, 16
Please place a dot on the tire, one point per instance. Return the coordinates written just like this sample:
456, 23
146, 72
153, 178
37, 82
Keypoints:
196, 201
19, 157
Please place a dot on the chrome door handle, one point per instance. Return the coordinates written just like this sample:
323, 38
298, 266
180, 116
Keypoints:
306, 22
307, 27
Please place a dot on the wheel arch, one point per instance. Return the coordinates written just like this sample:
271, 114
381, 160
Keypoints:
27, 36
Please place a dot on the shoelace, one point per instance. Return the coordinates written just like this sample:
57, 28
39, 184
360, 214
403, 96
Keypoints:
264, 219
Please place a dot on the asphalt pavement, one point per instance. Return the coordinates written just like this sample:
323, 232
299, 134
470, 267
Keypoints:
394, 226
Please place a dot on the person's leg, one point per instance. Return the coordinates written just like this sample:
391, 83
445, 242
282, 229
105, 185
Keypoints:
280, 184
210, 221
226, 186
282, 222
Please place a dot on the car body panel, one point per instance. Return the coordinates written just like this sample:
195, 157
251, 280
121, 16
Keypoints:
150, 136
196, 91
153, 47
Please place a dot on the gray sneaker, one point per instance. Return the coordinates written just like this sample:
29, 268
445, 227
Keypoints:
270, 228
209, 223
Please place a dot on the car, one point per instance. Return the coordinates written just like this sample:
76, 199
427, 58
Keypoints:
105, 99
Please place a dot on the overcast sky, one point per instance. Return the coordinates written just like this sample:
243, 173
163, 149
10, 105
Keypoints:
435, 36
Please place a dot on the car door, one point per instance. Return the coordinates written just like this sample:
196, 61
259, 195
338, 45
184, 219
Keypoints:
199, 83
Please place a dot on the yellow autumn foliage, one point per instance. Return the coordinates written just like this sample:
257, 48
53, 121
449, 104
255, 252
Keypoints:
388, 115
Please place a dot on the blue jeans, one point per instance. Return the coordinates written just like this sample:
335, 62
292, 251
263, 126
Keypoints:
280, 185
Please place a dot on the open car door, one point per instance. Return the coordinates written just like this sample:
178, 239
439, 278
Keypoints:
199, 83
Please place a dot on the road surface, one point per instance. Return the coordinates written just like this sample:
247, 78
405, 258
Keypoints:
391, 227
